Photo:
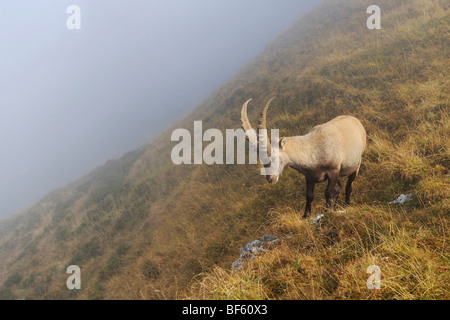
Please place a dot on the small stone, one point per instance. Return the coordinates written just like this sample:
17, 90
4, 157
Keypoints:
269, 238
317, 219
402, 198
251, 248
237, 264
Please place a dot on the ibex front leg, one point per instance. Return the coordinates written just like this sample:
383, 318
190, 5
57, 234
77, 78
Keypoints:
309, 196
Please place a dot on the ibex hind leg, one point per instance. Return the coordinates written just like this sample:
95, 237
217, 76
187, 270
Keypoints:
332, 187
309, 197
348, 187
337, 192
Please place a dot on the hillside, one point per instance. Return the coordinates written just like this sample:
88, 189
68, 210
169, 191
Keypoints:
141, 227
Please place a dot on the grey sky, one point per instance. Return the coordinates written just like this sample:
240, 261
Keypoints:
71, 99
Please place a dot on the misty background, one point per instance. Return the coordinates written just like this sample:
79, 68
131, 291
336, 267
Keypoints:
72, 99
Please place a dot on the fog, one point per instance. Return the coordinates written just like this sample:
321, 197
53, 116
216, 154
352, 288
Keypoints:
72, 99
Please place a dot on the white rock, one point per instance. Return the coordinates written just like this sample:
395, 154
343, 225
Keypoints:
317, 219
402, 198
238, 264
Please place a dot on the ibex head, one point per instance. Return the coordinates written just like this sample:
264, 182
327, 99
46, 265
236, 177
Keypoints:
277, 157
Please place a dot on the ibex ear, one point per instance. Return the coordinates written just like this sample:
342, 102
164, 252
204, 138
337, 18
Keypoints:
282, 142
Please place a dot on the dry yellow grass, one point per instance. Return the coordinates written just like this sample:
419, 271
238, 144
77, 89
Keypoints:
143, 228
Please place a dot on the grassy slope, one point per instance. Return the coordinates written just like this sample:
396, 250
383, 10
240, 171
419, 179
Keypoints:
141, 227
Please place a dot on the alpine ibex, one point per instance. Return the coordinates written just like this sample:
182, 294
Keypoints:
327, 152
